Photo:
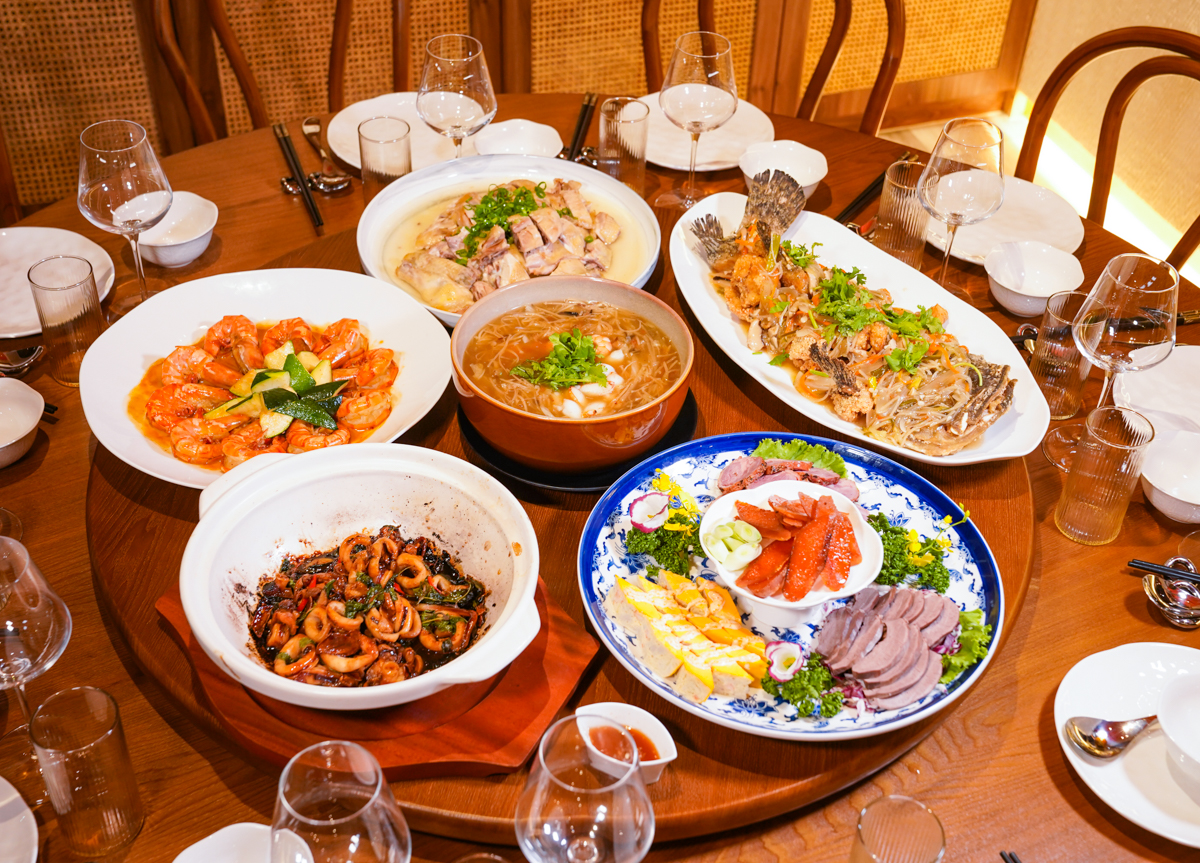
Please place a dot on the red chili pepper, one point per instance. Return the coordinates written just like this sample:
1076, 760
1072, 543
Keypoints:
303, 604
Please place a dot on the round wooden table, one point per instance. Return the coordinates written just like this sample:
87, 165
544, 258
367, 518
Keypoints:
991, 767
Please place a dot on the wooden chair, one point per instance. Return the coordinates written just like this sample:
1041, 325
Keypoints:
1185, 44
651, 52
10, 204
204, 126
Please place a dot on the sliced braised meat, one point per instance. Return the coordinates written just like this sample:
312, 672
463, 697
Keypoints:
845, 487
885, 601
775, 465
916, 607
931, 609
911, 675
904, 599
912, 655
943, 626
868, 636
821, 476
739, 472
866, 598
906, 642
853, 625
885, 653
773, 477
917, 691
831, 631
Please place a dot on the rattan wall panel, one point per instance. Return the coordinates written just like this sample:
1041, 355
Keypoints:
65, 64
597, 45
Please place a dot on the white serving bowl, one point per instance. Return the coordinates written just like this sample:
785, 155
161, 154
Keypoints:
518, 136
804, 164
1179, 716
1024, 274
21, 408
271, 507
1171, 475
776, 611
631, 717
183, 234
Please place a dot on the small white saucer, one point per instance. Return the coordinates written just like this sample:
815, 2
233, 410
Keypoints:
17, 826
518, 136
237, 843
1126, 683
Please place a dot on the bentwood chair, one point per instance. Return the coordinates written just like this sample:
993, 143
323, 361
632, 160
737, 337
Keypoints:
1185, 44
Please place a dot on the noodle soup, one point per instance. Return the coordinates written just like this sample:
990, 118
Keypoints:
572, 359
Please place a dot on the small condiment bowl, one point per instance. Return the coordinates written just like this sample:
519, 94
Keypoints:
1171, 476
628, 716
804, 164
20, 409
1023, 275
1179, 716
183, 234
518, 136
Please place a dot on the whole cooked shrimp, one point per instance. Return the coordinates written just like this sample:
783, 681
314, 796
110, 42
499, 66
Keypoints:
237, 334
377, 370
247, 442
347, 344
302, 336
188, 365
198, 441
172, 404
302, 437
366, 410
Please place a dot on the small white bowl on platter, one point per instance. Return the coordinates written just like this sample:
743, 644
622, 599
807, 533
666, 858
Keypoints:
628, 716
518, 136
1171, 475
21, 408
804, 164
1025, 273
1179, 716
183, 234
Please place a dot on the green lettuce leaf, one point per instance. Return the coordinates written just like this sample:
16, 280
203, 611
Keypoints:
798, 450
973, 641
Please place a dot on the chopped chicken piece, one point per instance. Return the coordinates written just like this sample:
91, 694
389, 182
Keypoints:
525, 233
442, 284
549, 222
598, 254
570, 267
606, 228
574, 239
578, 206
495, 243
542, 260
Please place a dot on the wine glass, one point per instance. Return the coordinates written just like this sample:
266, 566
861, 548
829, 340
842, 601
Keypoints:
35, 627
455, 98
963, 182
581, 805
699, 94
1126, 324
334, 806
122, 189
10, 524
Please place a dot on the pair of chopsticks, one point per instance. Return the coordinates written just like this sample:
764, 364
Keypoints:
867, 194
582, 124
1168, 571
289, 155
1010, 857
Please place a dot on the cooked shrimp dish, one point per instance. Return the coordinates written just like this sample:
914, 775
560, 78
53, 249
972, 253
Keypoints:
900, 374
246, 389
378, 608
490, 238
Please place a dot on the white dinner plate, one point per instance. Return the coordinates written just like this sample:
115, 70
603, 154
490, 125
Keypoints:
1167, 394
418, 191
428, 147
1029, 212
523, 137
1127, 683
1015, 434
118, 360
237, 843
671, 147
18, 829
21, 248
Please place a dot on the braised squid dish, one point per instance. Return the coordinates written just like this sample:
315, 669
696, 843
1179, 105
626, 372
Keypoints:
376, 609
899, 374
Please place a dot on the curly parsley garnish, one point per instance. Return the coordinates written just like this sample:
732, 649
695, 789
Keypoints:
811, 689
493, 209
572, 360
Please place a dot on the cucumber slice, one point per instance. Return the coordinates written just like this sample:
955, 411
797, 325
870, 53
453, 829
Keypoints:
270, 379
322, 372
227, 408
308, 359
276, 358
274, 423
309, 411
272, 399
252, 406
242, 387
301, 379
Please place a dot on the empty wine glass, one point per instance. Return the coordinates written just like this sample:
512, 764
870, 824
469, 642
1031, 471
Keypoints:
35, 627
1126, 324
455, 98
334, 806
580, 805
699, 94
963, 182
122, 189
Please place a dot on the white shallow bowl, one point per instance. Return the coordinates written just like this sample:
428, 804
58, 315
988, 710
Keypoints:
776, 611
1024, 274
20, 410
804, 164
20, 249
1171, 475
631, 717
518, 136
183, 234
272, 507
1179, 716
237, 843
420, 190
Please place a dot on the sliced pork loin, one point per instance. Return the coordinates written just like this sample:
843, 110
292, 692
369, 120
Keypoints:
917, 691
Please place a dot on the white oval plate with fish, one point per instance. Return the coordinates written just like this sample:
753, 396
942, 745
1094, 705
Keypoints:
1018, 432
118, 360
388, 227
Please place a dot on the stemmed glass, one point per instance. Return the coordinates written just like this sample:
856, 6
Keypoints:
963, 182
1126, 324
334, 806
35, 627
455, 98
580, 805
699, 94
122, 189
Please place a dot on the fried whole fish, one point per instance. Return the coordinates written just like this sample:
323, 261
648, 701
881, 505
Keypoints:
775, 201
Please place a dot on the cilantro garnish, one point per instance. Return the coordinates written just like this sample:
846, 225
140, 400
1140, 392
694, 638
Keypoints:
777, 360
844, 298
800, 256
779, 307
571, 361
907, 358
493, 209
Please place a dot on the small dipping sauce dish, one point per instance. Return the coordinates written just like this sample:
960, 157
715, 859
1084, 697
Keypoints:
607, 747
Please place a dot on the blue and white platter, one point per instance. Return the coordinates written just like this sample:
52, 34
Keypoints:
884, 485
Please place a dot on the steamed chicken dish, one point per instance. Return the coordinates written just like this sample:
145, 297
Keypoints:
900, 374
490, 238
572, 359
378, 608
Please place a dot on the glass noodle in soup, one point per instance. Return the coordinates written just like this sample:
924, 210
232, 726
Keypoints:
572, 359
